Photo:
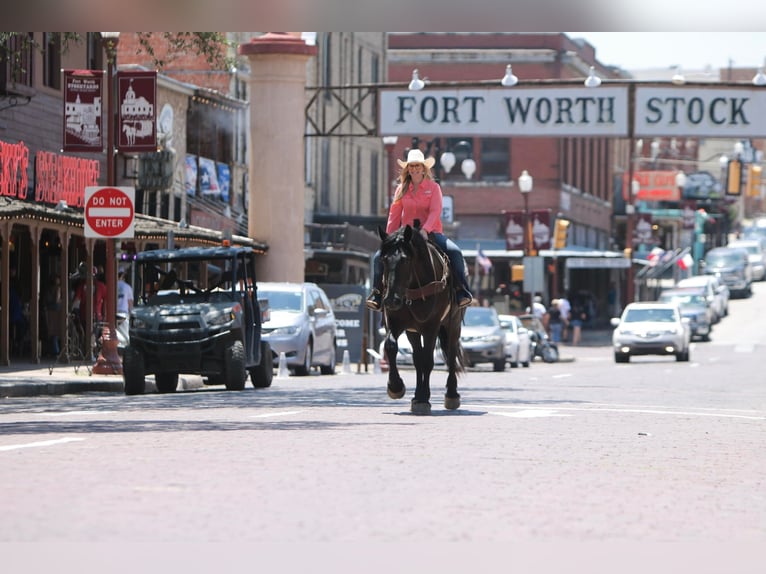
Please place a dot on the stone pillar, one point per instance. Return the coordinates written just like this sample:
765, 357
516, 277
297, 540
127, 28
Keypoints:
276, 173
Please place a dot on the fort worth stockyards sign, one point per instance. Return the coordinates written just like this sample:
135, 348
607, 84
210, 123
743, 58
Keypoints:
709, 111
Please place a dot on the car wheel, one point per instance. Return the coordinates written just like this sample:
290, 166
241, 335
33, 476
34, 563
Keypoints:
133, 371
304, 369
683, 356
498, 366
525, 364
262, 374
329, 369
621, 358
234, 365
166, 382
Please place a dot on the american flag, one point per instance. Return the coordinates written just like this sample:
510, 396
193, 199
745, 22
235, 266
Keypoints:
484, 261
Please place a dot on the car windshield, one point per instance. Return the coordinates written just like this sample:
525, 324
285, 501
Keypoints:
724, 259
283, 300
752, 249
654, 315
682, 299
479, 318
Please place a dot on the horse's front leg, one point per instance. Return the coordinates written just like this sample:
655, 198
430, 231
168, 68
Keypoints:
423, 356
395, 388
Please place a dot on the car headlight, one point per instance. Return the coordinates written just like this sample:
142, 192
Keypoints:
286, 331
137, 323
217, 319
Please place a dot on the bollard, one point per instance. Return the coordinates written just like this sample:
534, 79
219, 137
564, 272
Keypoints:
346, 363
282, 373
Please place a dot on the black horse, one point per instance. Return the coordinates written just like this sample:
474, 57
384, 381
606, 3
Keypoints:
419, 298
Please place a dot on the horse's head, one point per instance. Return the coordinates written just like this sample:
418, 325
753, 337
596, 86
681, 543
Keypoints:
400, 252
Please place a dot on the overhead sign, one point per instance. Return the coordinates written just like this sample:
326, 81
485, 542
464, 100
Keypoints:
653, 185
564, 111
109, 212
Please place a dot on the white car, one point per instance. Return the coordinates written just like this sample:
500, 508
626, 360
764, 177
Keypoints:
301, 325
518, 345
651, 328
714, 289
755, 255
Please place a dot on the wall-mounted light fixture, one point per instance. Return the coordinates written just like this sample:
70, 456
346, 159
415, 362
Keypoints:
509, 79
592, 81
416, 84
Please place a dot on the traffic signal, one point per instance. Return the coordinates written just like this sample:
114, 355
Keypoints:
734, 177
754, 181
560, 233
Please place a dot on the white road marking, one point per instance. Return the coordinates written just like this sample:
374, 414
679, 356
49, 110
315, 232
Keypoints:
562, 376
282, 414
39, 443
76, 413
530, 414
744, 348
613, 409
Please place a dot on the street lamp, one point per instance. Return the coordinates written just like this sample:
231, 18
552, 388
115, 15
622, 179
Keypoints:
525, 187
108, 361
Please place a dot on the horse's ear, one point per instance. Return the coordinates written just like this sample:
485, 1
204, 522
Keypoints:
408, 233
382, 233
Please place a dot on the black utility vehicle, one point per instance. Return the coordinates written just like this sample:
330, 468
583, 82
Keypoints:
196, 312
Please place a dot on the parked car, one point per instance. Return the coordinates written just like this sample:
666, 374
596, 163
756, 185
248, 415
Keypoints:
302, 326
518, 345
714, 289
755, 254
732, 267
483, 338
404, 350
650, 328
695, 306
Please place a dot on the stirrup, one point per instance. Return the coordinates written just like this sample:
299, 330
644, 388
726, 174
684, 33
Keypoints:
374, 300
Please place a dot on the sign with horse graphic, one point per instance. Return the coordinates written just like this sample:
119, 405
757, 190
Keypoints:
137, 111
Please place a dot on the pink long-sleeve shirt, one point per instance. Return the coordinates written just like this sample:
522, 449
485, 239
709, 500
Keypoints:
424, 204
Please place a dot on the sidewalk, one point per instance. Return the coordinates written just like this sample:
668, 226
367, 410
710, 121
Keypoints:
23, 379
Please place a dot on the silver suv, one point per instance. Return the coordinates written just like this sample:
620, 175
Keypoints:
732, 267
715, 291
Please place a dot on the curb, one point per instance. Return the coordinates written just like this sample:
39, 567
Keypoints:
31, 389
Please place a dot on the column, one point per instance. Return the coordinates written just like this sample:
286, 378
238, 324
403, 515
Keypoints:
277, 86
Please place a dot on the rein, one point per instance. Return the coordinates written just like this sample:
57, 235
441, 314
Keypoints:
432, 288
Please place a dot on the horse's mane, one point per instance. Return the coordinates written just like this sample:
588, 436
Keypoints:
406, 237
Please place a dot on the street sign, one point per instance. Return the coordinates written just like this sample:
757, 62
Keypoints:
109, 212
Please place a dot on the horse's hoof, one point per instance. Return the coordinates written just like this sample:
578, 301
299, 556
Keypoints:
451, 403
420, 408
396, 395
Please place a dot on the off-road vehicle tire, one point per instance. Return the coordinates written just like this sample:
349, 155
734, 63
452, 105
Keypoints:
166, 382
133, 371
234, 365
261, 375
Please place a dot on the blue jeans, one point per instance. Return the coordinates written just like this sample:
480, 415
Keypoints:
445, 244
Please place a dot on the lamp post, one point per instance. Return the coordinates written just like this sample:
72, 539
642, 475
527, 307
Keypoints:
525, 187
108, 361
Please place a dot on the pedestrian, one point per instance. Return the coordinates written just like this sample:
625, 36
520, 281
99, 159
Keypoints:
99, 296
555, 321
419, 197
578, 318
538, 309
124, 294
566, 309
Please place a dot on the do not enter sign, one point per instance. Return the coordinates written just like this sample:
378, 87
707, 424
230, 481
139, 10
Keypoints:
109, 211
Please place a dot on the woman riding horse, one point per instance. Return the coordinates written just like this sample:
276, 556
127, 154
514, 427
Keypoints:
419, 197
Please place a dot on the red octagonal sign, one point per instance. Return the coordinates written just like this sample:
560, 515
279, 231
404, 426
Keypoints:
109, 212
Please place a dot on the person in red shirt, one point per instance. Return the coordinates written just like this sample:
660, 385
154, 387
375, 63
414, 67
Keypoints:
419, 197
99, 296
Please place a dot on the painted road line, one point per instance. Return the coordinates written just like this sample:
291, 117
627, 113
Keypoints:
39, 443
531, 414
74, 413
650, 411
280, 414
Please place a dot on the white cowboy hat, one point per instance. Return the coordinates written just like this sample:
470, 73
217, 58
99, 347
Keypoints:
416, 156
